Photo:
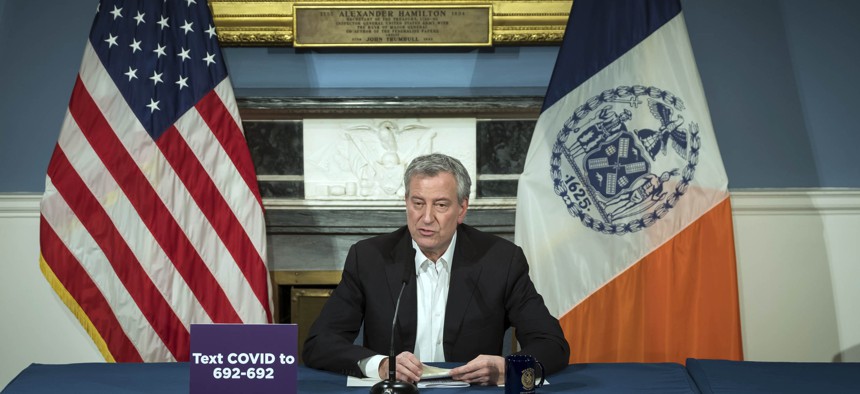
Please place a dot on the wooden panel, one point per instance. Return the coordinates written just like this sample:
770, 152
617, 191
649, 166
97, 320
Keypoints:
305, 306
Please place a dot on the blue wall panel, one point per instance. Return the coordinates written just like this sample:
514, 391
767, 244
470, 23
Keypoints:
780, 78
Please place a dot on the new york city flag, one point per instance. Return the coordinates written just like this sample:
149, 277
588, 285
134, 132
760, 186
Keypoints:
623, 207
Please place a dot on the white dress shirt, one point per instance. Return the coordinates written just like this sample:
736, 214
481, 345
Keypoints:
433, 280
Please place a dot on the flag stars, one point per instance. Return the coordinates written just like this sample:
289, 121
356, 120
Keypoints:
163, 22
190, 2
135, 45
131, 74
111, 40
156, 78
182, 82
160, 50
117, 12
209, 59
187, 27
139, 18
184, 54
153, 106
211, 31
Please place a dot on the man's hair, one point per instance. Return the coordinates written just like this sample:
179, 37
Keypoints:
436, 163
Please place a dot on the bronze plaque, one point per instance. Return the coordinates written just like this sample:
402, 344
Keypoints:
405, 25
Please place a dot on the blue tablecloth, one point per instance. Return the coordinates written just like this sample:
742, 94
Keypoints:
722, 376
168, 378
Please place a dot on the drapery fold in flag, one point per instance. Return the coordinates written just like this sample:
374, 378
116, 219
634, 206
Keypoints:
151, 218
623, 207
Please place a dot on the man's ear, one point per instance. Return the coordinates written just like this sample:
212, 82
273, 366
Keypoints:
463, 208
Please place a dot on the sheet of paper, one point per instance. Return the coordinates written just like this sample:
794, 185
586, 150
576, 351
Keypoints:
431, 372
430, 377
445, 382
352, 381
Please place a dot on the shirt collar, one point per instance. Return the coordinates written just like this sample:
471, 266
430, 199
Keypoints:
447, 258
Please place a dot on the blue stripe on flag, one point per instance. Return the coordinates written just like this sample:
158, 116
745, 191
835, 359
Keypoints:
598, 33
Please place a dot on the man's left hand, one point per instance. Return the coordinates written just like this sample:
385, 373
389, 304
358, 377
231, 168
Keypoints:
484, 370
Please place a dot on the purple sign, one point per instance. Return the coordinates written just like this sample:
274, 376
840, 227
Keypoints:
244, 358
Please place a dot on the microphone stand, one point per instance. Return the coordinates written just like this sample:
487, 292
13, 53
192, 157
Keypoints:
392, 385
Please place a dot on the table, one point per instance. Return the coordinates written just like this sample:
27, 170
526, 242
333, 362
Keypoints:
723, 376
169, 378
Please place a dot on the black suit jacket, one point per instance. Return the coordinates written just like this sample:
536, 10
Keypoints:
490, 290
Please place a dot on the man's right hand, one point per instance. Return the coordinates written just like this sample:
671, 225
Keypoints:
408, 368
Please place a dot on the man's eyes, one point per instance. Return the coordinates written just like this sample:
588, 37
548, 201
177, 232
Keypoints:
438, 205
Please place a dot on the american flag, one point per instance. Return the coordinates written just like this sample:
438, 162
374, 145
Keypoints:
151, 218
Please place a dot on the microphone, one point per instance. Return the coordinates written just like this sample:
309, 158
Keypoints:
392, 385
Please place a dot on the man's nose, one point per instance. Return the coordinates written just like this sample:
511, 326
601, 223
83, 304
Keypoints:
427, 214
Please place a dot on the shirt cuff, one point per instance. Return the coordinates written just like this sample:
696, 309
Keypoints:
370, 365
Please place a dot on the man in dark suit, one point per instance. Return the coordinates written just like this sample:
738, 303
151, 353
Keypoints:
478, 282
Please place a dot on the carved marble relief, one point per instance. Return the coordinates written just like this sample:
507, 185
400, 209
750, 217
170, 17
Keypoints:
364, 159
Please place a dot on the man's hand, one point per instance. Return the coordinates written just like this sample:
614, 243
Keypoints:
485, 370
408, 368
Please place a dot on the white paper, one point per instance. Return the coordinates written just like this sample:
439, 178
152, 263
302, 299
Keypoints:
431, 372
430, 377
352, 381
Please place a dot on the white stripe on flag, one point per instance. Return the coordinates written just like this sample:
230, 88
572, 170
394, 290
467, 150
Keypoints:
224, 91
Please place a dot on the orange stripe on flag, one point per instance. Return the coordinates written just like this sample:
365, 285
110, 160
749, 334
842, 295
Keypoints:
677, 302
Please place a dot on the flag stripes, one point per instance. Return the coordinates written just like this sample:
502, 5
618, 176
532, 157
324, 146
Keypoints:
183, 207
144, 246
230, 136
219, 165
210, 201
148, 204
217, 154
78, 285
117, 253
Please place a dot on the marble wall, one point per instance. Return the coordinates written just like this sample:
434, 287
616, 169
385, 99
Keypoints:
277, 150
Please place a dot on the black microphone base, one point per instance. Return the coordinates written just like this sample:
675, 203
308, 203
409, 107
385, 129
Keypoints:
393, 387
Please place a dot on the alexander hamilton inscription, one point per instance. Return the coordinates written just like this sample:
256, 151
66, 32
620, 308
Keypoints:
392, 26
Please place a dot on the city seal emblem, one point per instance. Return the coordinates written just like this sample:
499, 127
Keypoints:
625, 158
528, 379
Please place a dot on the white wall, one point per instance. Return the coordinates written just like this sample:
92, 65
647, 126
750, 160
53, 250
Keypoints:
36, 326
798, 271
799, 274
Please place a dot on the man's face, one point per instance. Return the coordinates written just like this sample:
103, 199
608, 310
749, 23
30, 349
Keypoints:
432, 212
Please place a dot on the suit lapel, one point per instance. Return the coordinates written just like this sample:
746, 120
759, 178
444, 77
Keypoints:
465, 273
408, 315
